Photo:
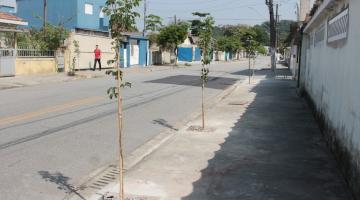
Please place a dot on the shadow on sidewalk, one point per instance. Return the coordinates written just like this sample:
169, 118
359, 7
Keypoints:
274, 151
257, 72
281, 71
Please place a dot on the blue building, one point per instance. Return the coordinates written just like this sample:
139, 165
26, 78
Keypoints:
135, 51
188, 51
73, 14
89, 26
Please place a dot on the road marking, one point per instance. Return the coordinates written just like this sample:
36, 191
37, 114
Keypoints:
48, 110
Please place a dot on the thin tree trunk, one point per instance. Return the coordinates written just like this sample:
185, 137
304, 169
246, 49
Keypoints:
202, 104
249, 69
176, 56
253, 70
120, 128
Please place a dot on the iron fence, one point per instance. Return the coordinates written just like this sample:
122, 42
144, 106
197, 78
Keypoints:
6, 52
35, 53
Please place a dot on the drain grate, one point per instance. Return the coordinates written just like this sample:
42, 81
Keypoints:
103, 179
98, 185
98, 182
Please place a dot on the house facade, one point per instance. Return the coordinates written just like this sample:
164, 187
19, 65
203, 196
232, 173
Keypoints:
329, 78
10, 24
135, 51
83, 18
89, 26
73, 14
188, 51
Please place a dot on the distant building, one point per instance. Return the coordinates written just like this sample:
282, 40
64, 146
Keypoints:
188, 51
135, 51
73, 14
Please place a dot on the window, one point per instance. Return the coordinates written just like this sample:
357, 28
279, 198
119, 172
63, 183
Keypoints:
101, 14
338, 26
89, 9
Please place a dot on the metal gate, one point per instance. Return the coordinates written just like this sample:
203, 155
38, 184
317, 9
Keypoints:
7, 62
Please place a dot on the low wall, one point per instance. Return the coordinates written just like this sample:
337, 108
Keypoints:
28, 66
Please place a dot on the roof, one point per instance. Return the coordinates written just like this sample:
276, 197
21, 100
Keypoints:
135, 35
317, 11
8, 18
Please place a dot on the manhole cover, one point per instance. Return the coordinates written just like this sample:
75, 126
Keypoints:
200, 129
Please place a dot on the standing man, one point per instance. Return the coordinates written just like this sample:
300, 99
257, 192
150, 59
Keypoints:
97, 53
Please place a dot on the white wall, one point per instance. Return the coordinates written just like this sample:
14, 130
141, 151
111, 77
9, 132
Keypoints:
220, 56
331, 76
293, 65
134, 54
87, 45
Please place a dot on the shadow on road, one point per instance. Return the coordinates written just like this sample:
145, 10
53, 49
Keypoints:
219, 83
164, 123
61, 181
274, 151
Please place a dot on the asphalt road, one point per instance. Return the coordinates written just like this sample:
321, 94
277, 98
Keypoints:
53, 136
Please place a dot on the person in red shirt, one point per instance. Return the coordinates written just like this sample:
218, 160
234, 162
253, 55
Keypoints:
97, 53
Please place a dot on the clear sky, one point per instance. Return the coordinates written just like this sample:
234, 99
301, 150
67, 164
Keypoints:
249, 12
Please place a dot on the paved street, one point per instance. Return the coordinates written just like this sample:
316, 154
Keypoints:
53, 136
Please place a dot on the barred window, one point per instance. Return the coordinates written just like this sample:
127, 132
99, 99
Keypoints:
338, 26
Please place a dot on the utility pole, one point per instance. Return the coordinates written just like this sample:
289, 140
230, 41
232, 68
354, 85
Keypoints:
175, 19
270, 4
145, 10
45, 14
277, 28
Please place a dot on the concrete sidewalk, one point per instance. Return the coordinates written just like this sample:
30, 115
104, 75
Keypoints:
264, 144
